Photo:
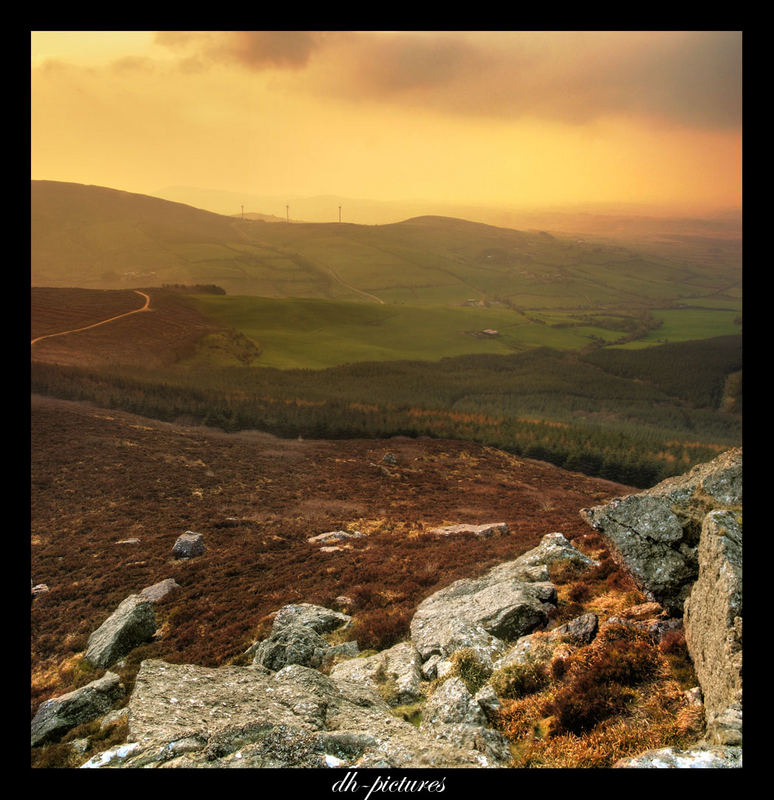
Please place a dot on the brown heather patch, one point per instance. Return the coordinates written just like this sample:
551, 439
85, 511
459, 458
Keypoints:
650, 712
87, 494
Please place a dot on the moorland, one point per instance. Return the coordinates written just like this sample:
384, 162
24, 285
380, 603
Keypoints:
290, 379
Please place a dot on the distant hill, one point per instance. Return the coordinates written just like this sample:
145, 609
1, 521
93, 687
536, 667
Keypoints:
96, 237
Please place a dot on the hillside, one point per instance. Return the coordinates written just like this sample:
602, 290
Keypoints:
94, 237
102, 477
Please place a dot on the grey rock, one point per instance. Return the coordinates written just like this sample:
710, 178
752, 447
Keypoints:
488, 700
480, 613
395, 672
160, 591
454, 715
725, 727
699, 757
450, 703
58, 715
579, 631
181, 715
343, 651
713, 622
334, 536
38, 590
509, 601
292, 644
189, 545
319, 619
131, 624
540, 647
654, 534
482, 531
114, 718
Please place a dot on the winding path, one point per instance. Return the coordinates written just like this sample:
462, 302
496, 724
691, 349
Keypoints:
145, 307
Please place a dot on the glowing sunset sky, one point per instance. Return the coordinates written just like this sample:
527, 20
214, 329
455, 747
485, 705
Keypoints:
496, 118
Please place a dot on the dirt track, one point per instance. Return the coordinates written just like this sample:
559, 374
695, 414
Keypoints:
145, 307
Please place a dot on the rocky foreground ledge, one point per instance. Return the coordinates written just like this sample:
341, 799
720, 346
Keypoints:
309, 698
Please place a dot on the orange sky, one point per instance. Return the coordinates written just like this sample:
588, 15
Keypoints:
503, 118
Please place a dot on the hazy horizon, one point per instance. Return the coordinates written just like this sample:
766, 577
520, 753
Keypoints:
641, 121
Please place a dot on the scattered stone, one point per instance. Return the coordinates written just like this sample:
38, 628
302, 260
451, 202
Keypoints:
390, 458
188, 545
159, 591
693, 758
475, 530
131, 624
38, 590
318, 618
60, 714
713, 625
655, 534
133, 540
80, 746
334, 536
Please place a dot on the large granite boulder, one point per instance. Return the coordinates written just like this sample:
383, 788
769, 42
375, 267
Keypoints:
655, 534
482, 614
131, 624
59, 714
181, 715
713, 626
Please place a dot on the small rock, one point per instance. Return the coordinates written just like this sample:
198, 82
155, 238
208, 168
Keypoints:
188, 545
160, 590
693, 758
334, 536
38, 590
292, 644
133, 540
475, 530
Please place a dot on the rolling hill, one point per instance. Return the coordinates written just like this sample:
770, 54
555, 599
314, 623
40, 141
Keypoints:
95, 237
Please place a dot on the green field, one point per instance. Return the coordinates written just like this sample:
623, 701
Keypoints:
688, 324
314, 334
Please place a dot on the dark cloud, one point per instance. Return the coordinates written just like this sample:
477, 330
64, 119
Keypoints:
571, 76
683, 77
251, 49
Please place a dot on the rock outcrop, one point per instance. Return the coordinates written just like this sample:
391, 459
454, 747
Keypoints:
131, 624
181, 715
713, 626
510, 601
60, 714
655, 534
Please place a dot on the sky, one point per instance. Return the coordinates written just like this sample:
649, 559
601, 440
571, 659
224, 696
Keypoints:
498, 118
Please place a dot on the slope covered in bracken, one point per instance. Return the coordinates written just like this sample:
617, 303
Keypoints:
102, 477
